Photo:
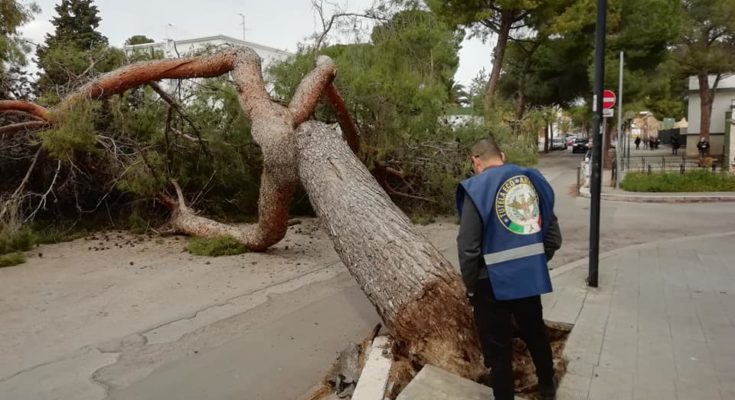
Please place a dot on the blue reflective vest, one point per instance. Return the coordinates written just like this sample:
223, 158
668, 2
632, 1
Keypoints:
513, 203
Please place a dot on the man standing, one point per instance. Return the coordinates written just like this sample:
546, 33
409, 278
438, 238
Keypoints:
508, 232
703, 147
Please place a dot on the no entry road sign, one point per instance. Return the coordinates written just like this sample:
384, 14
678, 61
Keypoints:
608, 99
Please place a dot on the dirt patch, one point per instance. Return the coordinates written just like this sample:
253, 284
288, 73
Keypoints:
526, 383
573, 190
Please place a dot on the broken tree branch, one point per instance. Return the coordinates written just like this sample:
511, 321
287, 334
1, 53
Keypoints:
311, 88
177, 107
26, 107
23, 126
349, 130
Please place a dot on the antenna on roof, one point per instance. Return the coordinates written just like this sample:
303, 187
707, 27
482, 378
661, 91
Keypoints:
243, 25
166, 32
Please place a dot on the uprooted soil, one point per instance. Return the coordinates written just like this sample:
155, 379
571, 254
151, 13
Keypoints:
342, 379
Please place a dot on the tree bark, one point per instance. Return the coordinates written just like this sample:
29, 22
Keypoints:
706, 98
606, 156
546, 138
26, 107
413, 287
507, 17
521, 105
349, 128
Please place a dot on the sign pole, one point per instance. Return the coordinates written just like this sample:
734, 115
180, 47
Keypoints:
619, 146
596, 183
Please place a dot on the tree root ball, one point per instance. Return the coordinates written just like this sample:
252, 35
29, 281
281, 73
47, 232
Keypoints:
404, 369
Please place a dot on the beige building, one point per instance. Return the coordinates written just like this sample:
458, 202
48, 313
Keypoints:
645, 126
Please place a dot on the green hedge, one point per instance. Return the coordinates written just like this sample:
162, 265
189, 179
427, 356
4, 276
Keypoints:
691, 181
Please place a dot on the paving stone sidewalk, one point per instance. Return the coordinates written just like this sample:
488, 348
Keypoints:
660, 326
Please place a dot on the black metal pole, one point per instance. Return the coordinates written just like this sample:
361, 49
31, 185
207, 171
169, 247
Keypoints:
596, 177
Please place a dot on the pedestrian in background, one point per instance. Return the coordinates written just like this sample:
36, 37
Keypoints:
637, 142
703, 147
507, 233
675, 145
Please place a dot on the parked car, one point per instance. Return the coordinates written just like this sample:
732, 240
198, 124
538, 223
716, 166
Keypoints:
558, 143
581, 145
570, 140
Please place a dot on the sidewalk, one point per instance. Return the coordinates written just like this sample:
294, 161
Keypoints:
613, 194
660, 326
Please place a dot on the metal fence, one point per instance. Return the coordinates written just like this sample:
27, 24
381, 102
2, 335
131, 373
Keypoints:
657, 164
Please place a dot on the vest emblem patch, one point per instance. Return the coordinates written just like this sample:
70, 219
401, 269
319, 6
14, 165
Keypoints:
517, 207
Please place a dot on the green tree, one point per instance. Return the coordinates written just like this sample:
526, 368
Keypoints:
138, 39
483, 17
543, 73
75, 51
142, 54
706, 49
13, 49
396, 86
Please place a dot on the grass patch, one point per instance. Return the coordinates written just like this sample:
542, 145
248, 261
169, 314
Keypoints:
8, 260
423, 219
13, 244
22, 240
215, 246
53, 234
691, 181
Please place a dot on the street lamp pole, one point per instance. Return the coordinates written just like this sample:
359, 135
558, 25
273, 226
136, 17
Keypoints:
619, 147
596, 184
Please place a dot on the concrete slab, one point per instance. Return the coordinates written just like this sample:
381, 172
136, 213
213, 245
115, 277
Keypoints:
374, 376
434, 383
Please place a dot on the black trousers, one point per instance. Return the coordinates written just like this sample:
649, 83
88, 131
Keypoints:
495, 328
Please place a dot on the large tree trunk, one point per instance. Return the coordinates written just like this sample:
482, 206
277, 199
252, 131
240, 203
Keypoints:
413, 287
606, 156
706, 98
521, 105
507, 17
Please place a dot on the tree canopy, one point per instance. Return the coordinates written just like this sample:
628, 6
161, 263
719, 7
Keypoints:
13, 48
75, 50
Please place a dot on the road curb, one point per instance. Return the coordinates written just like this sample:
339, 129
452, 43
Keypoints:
662, 198
608, 254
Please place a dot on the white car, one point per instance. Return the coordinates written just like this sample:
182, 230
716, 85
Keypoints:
558, 143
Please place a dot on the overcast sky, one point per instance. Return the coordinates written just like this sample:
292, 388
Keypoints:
277, 23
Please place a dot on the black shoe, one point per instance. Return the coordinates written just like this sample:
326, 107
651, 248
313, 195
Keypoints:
548, 392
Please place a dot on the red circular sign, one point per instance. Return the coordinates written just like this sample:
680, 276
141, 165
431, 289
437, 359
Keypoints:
608, 99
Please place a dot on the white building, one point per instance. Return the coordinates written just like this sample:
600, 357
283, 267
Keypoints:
183, 48
190, 47
724, 99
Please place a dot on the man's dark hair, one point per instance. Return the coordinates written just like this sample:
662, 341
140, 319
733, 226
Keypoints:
485, 149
